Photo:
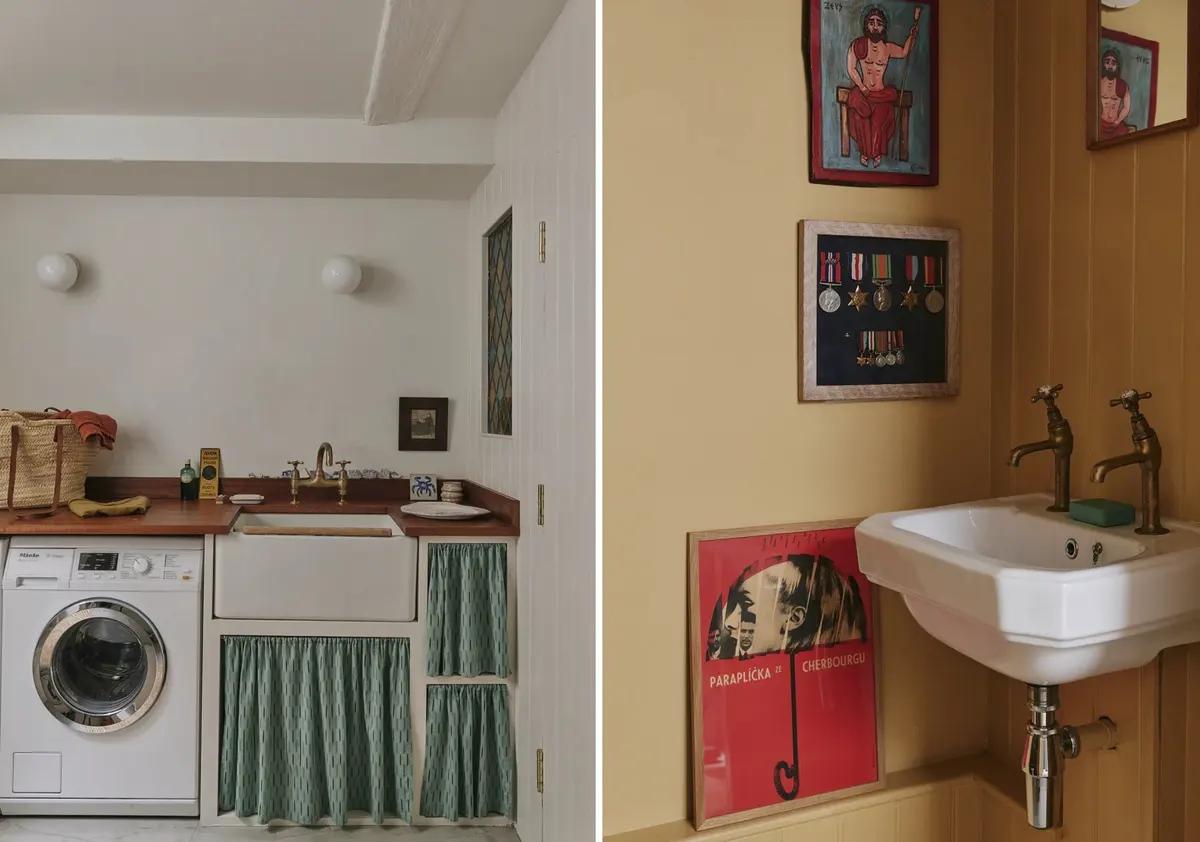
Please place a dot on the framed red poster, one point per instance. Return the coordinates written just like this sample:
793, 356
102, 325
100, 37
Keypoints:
784, 656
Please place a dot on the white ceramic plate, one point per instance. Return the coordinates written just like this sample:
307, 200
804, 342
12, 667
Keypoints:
443, 511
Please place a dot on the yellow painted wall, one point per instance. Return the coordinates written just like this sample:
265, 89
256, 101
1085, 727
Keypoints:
1092, 289
1163, 21
705, 179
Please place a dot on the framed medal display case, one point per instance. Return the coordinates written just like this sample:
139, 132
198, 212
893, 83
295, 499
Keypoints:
879, 311
784, 658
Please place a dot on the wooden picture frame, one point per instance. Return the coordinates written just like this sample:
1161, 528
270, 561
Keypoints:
923, 337
842, 673
424, 423
1192, 115
887, 135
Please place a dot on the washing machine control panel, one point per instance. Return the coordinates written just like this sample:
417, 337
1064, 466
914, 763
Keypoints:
137, 569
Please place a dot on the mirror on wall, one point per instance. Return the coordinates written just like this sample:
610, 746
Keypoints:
1143, 74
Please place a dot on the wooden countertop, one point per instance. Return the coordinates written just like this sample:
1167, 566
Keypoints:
164, 517
168, 516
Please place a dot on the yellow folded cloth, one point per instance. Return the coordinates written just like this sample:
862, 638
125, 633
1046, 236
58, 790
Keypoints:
128, 506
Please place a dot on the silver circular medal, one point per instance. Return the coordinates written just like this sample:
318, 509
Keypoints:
883, 299
934, 302
829, 300
880, 361
891, 358
899, 357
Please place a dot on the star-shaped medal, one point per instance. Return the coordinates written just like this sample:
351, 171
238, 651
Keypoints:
864, 360
858, 299
911, 300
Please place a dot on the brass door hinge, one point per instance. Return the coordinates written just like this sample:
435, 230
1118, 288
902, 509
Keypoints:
541, 776
541, 242
541, 505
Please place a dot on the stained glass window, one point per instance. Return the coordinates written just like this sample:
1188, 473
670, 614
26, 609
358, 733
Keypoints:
499, 328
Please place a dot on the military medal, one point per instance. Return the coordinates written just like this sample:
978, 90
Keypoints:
912, 265
934, 301
899, 347
858, 298
864, 358
882, 278
891, 353
831, 275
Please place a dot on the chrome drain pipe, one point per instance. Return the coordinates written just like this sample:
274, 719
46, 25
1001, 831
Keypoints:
1047, 745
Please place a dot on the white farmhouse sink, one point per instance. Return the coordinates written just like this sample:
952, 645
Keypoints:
310, 577
994, 580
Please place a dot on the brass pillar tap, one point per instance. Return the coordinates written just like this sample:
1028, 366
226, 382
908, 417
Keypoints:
319, 479
1147, 455
1060, 441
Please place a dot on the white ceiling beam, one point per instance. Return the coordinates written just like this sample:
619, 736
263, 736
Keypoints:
65, 137
413, 35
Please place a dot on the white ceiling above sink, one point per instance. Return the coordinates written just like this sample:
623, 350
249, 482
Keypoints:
261, 58
1015, 588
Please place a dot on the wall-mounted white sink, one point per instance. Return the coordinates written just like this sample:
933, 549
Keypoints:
316, 577
995, 580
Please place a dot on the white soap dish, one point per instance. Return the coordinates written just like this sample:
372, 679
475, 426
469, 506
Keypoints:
246, 499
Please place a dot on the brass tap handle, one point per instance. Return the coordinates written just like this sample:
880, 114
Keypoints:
295, 480
1047, 393
344, 462
1130, 399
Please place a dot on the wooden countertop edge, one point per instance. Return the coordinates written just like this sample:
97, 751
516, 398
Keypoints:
171, 517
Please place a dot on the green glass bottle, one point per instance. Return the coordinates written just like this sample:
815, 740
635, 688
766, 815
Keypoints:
189, 483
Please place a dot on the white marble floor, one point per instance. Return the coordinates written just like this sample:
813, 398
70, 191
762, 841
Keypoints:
19, 829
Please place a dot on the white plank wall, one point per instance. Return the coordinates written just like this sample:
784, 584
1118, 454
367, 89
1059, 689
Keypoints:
545, 171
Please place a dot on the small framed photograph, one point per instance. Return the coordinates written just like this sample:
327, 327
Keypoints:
784, 661
424, 423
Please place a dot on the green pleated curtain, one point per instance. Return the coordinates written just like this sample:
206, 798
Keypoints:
468, 756
468, 610
314, 727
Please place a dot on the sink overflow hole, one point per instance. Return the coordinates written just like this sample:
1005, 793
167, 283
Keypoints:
1072, 548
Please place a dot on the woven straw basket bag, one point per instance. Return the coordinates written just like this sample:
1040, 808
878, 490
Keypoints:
33, 467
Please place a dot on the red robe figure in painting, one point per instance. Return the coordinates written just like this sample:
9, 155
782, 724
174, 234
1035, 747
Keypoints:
1115, 99
872, 103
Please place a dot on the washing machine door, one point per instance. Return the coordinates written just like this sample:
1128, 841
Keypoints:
99, 665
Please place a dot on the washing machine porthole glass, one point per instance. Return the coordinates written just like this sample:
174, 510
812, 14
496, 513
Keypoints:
100, 666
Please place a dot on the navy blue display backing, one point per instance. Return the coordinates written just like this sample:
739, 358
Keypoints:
924, 332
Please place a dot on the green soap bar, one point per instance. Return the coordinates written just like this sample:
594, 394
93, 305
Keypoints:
1101, 512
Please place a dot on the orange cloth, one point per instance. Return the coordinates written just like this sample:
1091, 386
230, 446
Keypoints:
93, 424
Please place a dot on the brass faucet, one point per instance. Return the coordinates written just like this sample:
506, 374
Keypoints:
1060, 440
319, 479
1147, 454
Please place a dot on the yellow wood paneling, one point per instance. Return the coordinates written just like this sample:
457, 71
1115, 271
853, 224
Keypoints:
822, 830
928, 817
1003, 251
1122, 310
968, 813
875, 824
1034, 54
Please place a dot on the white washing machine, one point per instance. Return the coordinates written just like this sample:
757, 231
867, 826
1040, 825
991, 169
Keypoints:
100, 676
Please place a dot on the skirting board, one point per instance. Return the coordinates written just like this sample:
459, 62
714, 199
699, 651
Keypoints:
981, 772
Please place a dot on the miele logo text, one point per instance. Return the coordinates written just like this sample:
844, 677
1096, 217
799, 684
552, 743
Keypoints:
30, 555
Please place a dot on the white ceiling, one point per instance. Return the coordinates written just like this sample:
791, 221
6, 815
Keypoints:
263, 58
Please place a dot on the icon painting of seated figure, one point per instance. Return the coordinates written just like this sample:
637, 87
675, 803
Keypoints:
872, 101
786, 605
1116, 100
